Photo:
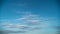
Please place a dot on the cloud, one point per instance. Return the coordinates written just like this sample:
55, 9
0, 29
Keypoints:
30, 19
9, 25
35, 28
10, 31
27, 22
16, 26
22, 18
25, 16
17, 31
33, 22
22, 26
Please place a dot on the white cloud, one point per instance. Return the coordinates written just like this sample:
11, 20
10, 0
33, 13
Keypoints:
32, 19
21, 26
16, 26
28, 22
22, 18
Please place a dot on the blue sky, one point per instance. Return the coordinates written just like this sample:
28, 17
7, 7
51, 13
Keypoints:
31, 14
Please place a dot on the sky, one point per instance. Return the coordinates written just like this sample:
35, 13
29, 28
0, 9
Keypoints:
29, 17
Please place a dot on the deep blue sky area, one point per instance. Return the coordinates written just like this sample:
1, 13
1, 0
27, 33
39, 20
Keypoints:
47, 8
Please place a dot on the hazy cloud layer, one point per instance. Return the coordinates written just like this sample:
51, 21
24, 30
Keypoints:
27, 22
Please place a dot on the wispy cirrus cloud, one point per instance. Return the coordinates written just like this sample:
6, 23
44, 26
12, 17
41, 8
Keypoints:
27, 22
